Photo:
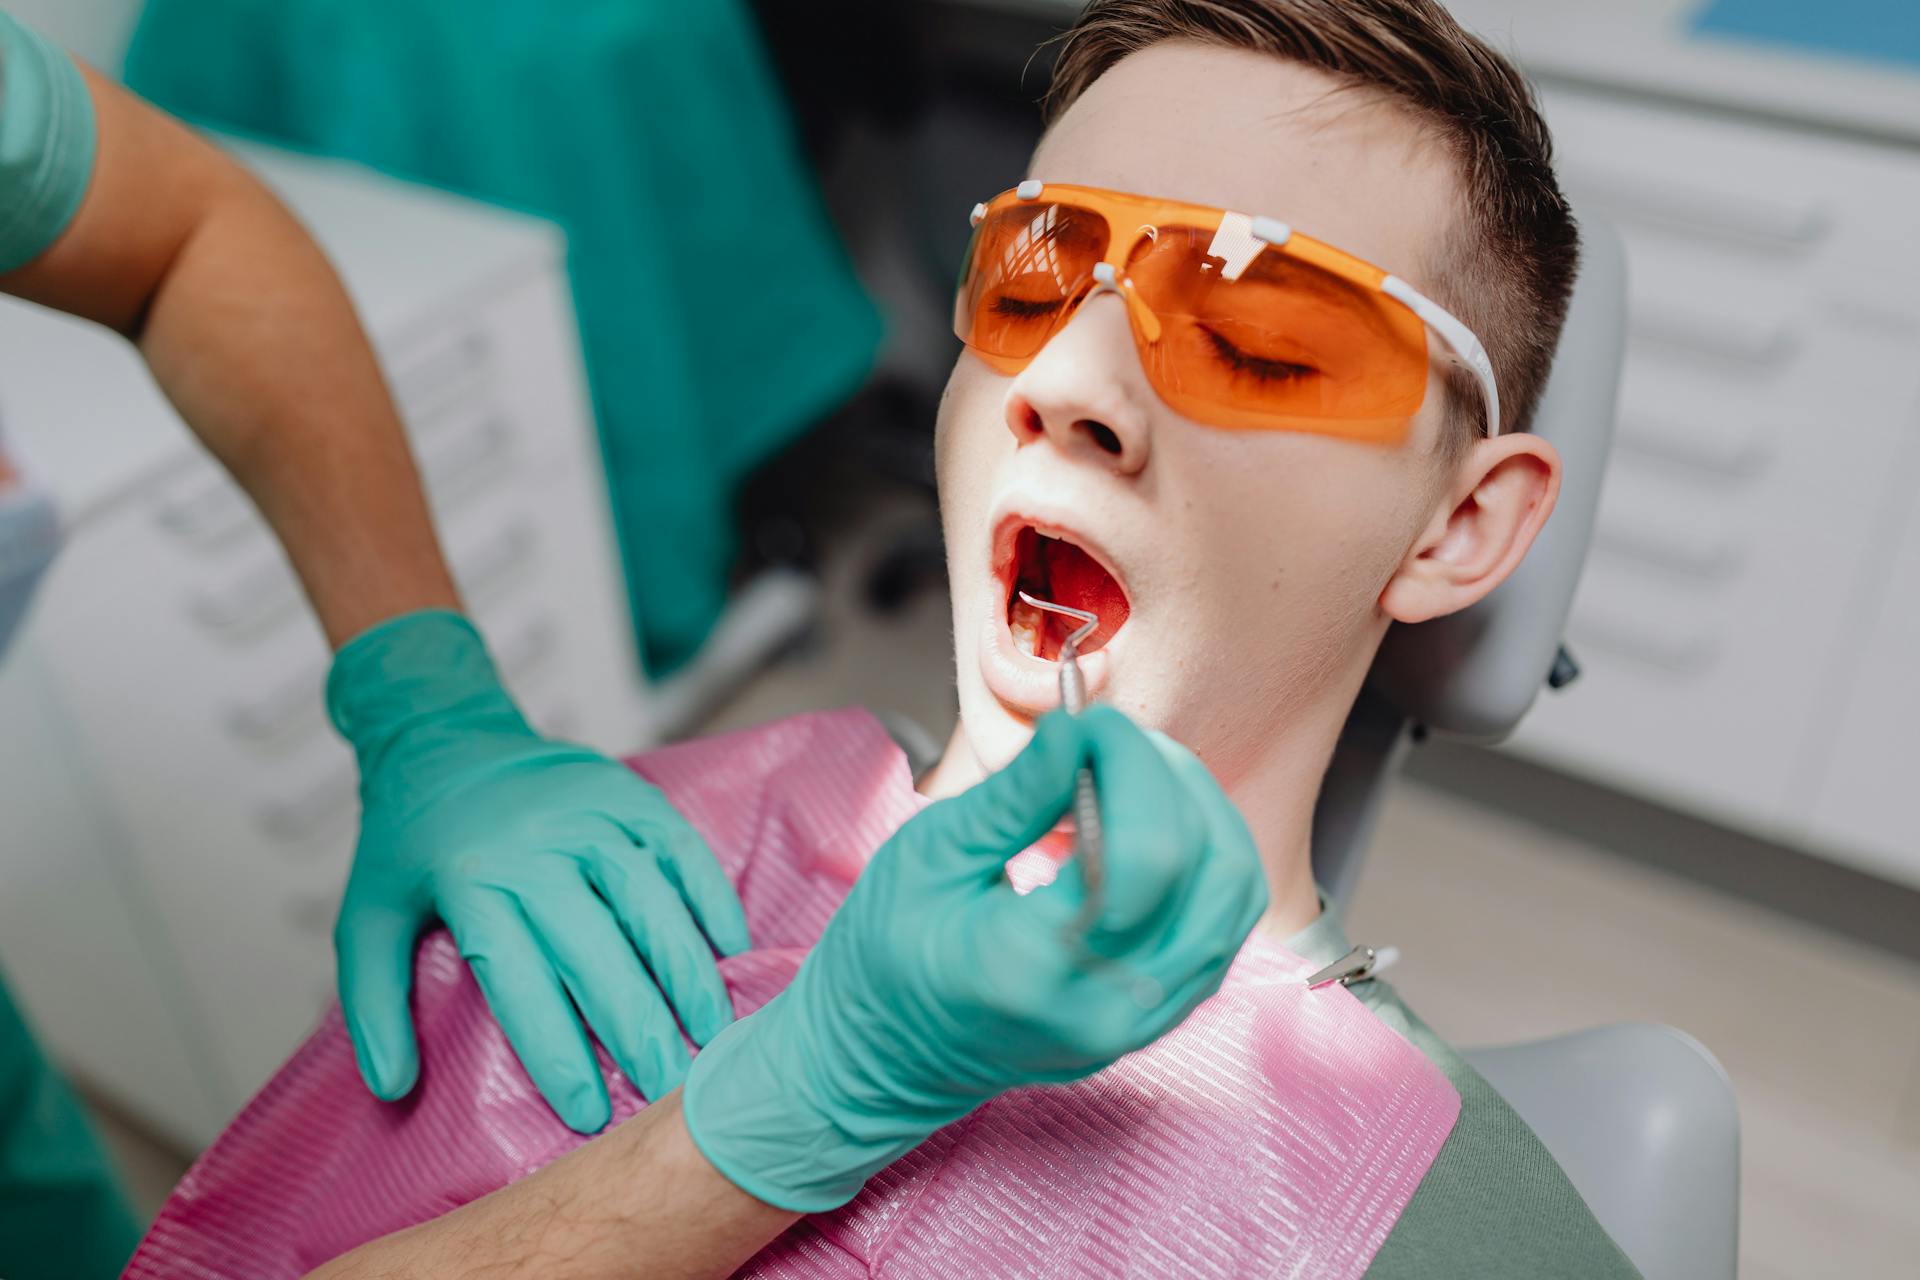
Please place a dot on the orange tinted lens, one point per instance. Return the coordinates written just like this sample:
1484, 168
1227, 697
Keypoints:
1274, 341
1025, 267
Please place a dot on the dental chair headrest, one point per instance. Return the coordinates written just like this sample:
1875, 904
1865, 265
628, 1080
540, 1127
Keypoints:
1474, 674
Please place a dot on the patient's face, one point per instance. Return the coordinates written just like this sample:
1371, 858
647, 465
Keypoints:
1238, 574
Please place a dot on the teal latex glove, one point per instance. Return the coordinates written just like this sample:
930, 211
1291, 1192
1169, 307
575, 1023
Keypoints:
936, 986
563, 876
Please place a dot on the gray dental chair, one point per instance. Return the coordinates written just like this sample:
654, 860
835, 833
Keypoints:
1641, 1117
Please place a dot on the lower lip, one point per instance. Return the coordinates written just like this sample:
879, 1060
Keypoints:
1026, 685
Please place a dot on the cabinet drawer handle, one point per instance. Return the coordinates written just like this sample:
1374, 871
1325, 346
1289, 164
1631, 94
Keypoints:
208, 515
1710, 558
1646, 524
1740, 450
486, 568
453, 463
260, 600
289, 712
1686, 652
327, 804
1713, 333
312, 912
432, 385
1755, 219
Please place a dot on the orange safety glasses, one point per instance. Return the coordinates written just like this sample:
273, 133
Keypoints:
1241, 322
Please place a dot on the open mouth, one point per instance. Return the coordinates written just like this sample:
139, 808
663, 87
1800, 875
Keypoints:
1058, 570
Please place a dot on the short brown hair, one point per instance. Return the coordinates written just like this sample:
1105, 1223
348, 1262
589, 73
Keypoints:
1509, 274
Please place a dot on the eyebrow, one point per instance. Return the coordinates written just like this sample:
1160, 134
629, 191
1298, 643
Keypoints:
1277, 266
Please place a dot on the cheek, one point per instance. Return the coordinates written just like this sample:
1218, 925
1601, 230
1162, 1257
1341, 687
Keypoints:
967, 429
1310, 521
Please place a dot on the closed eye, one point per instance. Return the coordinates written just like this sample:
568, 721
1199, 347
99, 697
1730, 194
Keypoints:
1263, 368
1024, 309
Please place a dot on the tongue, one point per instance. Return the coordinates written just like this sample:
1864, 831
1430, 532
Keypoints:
1078, 581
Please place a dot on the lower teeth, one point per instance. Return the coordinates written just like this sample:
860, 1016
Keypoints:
1026, 623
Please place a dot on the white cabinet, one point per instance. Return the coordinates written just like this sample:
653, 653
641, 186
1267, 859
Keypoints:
1743, 573
179, 817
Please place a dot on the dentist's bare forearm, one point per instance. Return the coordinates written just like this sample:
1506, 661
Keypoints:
248, 331
639, 1200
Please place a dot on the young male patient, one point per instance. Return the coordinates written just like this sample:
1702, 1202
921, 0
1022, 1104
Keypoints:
1249, 455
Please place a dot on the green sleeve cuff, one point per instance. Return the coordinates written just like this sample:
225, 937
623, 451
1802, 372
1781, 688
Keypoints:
785, 1133
46, 143
754, 1129
412, 669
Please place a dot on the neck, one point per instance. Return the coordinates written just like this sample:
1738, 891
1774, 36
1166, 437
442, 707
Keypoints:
1276, 796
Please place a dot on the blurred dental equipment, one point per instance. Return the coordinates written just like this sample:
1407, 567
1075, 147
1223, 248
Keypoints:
1086, 795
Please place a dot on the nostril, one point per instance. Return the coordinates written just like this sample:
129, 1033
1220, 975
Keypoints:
1102, 435
1030, 423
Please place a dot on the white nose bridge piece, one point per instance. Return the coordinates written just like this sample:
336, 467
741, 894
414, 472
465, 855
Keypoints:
1107, 280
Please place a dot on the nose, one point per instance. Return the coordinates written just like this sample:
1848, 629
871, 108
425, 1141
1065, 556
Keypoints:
1085, 392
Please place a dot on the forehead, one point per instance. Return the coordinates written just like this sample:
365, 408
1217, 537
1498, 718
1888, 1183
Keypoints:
1262, 135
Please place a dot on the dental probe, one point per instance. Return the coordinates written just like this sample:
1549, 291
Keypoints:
1087, 847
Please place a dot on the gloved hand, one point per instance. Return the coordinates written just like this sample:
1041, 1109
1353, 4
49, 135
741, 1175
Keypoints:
935, 986
558, 871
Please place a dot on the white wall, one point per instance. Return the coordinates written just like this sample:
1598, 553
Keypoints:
96, 30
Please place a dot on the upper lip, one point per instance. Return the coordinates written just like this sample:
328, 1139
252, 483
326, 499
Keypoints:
1050, 524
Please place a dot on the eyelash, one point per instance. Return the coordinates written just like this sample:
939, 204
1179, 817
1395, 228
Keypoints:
1261, 370
1255, 366
1022, 309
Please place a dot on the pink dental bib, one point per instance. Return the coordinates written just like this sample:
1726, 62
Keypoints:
1277, 1132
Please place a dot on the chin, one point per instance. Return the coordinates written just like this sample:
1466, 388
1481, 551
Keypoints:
990, 732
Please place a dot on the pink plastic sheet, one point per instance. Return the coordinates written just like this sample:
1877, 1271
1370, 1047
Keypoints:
1276, 1132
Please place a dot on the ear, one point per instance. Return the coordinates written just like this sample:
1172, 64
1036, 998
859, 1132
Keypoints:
1503, 492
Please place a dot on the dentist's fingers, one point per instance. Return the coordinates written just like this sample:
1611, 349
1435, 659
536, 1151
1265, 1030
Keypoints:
1180, 999
598, 966
1230, 883
682, 854
374, 950
1201, 919
1152, 836
971, 835
530, 1004
656, 921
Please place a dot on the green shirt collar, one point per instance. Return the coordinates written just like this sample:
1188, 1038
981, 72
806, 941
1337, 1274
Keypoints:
1323, 941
